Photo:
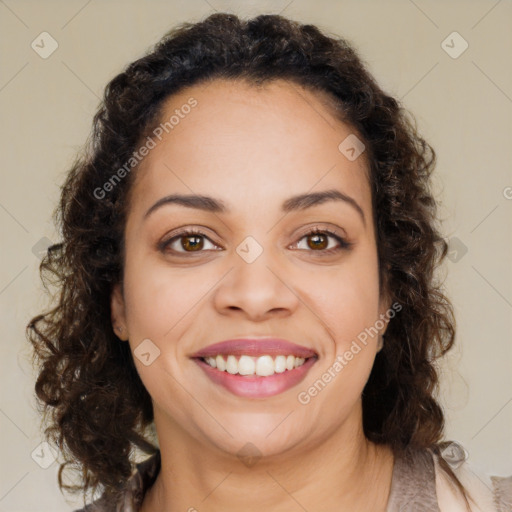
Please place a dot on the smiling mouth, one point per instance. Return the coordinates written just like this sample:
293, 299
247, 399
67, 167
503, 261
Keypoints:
262, 366
256, 377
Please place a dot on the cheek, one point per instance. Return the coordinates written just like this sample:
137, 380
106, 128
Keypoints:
347, 299
347, 305
159, 299
161, 305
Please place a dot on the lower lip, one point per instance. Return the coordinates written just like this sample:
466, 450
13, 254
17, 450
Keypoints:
255, 386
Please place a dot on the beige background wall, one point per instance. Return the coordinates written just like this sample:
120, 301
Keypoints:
463, 106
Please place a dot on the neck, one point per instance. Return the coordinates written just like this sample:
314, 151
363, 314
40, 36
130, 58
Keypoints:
344, 472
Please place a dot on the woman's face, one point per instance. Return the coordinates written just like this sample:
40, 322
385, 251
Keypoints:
255, 270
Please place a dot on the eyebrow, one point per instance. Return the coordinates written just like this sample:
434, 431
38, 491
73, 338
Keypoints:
295, 203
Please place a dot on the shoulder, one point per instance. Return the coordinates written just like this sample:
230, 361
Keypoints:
129, 498
420, 482
487, 493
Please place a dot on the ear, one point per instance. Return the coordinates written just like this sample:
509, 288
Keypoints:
117, 312
386, 313
384, 307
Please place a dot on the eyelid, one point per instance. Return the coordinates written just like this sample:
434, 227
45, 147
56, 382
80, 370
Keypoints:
182, 232
341, 238
323, 227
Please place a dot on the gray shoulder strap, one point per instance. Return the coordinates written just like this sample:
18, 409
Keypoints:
502, 489
413, 485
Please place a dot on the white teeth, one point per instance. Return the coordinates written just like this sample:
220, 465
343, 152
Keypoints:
298, 361
265, 366
280, 364
262, 366
232, 365
246, 366
221, 364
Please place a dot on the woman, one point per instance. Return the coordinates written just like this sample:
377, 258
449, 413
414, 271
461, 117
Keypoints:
248, 264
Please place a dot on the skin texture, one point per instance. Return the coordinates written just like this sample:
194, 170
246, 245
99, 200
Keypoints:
253, 149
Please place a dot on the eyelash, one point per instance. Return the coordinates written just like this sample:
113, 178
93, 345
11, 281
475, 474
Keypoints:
343, 243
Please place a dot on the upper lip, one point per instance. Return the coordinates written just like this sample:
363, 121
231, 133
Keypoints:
256, 347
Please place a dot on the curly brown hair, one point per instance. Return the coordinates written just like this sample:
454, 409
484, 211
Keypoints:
87, 377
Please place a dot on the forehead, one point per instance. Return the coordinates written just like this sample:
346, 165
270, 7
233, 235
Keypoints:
262, 142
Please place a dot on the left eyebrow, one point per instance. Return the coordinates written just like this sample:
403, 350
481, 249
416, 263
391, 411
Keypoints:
303, 201
299, 202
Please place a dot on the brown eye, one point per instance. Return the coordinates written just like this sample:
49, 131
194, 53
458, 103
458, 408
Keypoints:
192, 242
186, 242
318, 241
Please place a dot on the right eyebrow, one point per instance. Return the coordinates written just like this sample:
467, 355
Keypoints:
208, 204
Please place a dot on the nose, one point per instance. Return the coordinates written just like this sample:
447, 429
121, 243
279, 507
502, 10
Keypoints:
258, 290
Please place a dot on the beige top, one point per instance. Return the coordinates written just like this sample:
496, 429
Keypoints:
418, 485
